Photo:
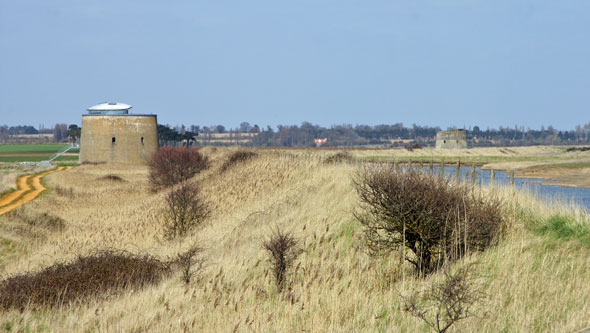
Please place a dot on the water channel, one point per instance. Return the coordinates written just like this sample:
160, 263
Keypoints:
577, 195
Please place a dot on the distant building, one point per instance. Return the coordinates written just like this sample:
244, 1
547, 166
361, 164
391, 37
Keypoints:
111, 135
454, 139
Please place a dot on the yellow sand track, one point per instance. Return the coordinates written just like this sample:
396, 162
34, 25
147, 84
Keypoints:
28, 188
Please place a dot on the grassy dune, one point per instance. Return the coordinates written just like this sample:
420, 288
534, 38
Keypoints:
535, 280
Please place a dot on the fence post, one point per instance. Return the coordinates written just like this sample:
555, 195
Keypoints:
458, 172
431, 167
473, 173
512, 177
442, 169
492, 176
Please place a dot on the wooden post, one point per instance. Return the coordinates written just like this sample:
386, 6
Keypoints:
472, 173
421, 166
492, 176
395, 165
431, 167
442, 169
512, 177
458, 172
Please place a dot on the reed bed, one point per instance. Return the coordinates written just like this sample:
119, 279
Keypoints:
533, 282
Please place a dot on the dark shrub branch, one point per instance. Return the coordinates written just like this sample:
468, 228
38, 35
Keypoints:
172, 165
445, 303
237, 157
101, 273
282, 248
185, 209
435, 219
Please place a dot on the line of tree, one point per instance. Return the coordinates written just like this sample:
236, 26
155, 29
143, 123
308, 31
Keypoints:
345, 135
394, 135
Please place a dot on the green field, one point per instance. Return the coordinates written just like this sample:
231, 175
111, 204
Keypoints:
33, 148
48, 151
37, 158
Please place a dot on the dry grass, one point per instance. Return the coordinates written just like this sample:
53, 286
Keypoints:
535, 283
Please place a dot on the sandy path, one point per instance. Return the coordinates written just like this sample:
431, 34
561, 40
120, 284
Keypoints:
25, 193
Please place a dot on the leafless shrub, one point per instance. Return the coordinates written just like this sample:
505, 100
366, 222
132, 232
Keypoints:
172, 165
411, 147
237, 157
185, 209
436, 219
190, 262
43, 220
282, 248
65, 192
340, 157
445, 303
99, 274
113, 178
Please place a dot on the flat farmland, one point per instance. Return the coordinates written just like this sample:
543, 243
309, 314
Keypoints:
13, 153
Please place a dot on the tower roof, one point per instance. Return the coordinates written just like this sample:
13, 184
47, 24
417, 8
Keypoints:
110, 108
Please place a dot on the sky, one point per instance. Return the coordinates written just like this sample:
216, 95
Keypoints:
430, 62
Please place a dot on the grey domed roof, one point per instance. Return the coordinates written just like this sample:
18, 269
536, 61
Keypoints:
110, 108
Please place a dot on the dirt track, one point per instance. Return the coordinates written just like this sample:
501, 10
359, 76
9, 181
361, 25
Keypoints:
29, 187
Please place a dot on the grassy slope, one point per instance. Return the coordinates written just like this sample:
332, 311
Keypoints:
535, 282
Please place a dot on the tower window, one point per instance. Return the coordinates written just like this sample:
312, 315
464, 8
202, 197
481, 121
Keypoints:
142, 140
114, 140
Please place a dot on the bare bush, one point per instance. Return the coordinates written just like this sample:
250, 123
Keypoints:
172, 165
65, 192
340, 157
185, 209
237, 157
190, 262
101, 273
282, 248
113, 178
42, 220
445, 303
435, 219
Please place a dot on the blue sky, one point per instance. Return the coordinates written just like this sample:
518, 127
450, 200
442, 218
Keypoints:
439, 63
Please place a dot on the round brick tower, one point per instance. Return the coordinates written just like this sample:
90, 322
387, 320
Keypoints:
111, 135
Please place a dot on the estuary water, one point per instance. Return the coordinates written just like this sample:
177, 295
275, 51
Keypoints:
578, 195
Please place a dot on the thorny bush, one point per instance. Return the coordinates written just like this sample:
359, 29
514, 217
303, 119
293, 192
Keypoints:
185, 209
237, 157
340, 157
100, 274
282, 248
172, 165
436, 219
445, 303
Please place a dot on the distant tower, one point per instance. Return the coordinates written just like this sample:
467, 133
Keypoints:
453, 139
111, 135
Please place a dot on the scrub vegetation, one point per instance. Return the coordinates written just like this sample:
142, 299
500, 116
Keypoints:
529, 279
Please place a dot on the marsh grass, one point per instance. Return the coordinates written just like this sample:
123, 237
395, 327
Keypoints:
566, 228
534, 282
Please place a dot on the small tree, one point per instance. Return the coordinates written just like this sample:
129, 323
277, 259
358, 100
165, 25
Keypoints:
435, 219
172, 165
184, 211
74, 132
445, 303
190, 262
283, 250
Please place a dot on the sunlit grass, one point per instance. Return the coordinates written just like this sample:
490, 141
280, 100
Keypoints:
534, 281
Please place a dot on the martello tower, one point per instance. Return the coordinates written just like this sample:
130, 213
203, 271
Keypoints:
111, 134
